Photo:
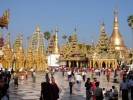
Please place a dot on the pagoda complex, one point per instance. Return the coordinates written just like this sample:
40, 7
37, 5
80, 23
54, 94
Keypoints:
106, 53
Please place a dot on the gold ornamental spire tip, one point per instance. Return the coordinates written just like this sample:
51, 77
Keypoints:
92, 41
56, 29
116, 19
103, 27
75, 31
38, 28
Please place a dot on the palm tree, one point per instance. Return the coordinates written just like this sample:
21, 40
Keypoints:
130, 24
70, 38
64, 37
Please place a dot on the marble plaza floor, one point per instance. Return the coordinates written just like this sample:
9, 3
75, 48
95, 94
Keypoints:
30, 90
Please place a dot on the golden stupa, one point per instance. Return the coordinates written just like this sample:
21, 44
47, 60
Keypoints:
116, 37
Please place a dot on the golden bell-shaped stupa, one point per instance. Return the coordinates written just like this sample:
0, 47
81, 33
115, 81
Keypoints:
116, 37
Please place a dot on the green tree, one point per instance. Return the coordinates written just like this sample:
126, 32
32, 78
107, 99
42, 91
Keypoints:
47, 35
80, 46
88, 47
130, 21
64, 37
130, 24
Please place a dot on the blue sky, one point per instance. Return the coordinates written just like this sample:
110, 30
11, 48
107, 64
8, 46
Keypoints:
86, 15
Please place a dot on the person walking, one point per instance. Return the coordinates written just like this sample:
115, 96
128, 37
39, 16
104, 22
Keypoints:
98, 92
78, 80
34, 76
88, 86
55, 89
124, 89
46, 90
131, 87
16, 76
70, 80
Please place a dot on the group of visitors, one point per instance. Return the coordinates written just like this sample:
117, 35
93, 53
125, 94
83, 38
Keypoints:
49, 91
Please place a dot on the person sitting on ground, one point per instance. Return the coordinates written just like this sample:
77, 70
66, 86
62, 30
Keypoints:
104, 91
110, 94
115, 93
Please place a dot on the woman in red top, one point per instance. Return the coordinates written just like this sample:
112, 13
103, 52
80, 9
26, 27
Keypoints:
55, 92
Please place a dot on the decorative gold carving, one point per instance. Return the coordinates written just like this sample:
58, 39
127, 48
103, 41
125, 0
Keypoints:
4, 20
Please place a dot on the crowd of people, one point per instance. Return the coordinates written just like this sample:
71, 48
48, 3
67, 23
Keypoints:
93, 91
75, 77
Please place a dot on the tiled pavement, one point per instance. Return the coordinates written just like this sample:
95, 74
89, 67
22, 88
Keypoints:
29, 90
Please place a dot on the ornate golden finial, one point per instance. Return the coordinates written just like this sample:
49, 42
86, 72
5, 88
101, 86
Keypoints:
102, 27
115, 19
83, 41
75, 31
56, 41
56, 30
8, 37
4, 20
38, 29
8, 44
92, 42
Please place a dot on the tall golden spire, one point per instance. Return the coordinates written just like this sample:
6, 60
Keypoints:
74, 39
21, 43
116, 20
56, 41
116, 38
9, 45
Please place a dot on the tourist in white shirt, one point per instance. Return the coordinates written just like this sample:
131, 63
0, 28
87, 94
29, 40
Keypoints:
69, 73
83, 75
78, 80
